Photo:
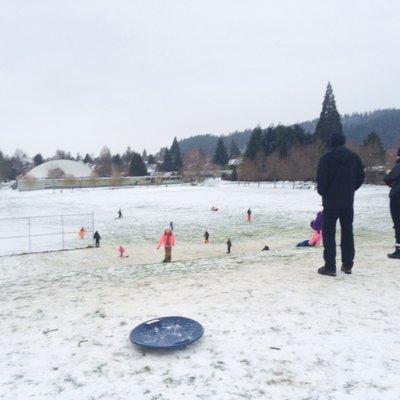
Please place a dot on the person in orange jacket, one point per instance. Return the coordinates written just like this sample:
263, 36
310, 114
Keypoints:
82, 233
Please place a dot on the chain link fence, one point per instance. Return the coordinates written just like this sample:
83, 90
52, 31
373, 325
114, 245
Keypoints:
34, 234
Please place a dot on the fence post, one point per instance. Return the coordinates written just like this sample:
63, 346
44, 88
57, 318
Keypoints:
62, 232
29, 234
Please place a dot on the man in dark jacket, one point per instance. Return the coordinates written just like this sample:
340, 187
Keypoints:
392, 179
340, 174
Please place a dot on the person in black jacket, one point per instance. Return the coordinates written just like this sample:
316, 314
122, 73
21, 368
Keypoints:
392, 179
340, 174
96, 238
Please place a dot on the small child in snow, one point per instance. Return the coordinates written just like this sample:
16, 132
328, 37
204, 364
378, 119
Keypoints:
121, 251
206, 237
228, 245
168, 241
82, 233
316, 237
249, 215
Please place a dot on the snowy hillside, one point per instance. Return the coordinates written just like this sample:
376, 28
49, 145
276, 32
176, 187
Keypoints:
274, 329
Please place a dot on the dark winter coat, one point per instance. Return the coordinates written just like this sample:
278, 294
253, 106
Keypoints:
340, 174
96, 236
392, 179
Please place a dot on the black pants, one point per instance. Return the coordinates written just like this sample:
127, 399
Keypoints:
345, 216
97, 243
395, 212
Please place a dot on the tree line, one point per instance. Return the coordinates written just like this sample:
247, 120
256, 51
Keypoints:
274, 153
290, 153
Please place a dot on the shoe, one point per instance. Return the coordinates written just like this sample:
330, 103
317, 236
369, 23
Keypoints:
324, 271
396, 254
346, 270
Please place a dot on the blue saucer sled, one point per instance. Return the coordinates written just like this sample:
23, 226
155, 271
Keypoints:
166, 333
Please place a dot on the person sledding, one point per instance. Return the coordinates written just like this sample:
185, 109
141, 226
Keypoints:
167, 240
214, 208
316, 237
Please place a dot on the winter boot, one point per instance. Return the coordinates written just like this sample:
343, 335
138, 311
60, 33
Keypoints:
325, 271
395, 254
346, 270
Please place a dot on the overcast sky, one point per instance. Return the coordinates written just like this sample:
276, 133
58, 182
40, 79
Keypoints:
78, 75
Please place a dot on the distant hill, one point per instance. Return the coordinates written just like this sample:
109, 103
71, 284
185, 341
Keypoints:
357, 126
386, 123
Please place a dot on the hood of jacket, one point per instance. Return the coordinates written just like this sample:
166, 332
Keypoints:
341, 155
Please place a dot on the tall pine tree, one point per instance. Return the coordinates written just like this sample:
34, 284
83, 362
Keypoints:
234, 150
221, 155
176, 156
137, 167
167, 161
255, 144
329, 121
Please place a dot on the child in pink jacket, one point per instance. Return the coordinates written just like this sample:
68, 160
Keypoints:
316, 237
167, 240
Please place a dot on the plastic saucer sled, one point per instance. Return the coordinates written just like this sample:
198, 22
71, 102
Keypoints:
166, 333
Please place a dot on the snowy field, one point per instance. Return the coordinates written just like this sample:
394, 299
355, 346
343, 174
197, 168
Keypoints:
274, 329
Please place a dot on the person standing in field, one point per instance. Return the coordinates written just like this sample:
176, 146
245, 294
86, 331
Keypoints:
119, 214
228, 245
206, 237
392, 179
97, 238
171, 225
121, 251
168, 241
82, 233
340, 173
249, 215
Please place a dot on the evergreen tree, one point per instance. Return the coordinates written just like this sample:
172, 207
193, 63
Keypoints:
137, 166
38, 159
255, 144
88, 159
373, 139
221, 155
144, 155
176, 156
151, 159
167, 161
117, 160
234, 150
329, 121
373, 152
127, 156
234, 176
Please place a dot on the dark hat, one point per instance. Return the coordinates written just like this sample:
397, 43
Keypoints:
337, 139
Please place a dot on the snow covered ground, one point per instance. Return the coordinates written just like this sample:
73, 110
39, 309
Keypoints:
274, 329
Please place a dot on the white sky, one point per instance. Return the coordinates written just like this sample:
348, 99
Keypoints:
78, 75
